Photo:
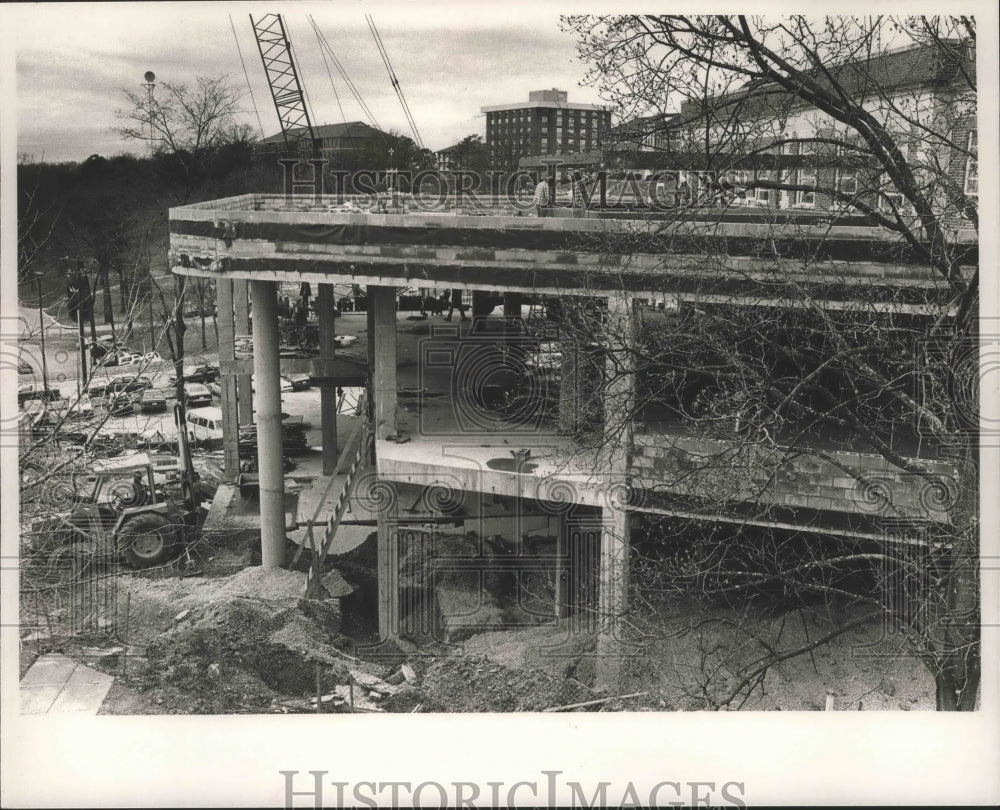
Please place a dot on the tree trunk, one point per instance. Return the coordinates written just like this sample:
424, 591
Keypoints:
124, 289
958, 668
109, 305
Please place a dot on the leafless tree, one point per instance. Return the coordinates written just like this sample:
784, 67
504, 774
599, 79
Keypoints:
186, 125
761, 102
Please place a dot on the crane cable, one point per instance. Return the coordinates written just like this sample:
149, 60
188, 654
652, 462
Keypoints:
344, 76
333, 87
393, 80
246, 75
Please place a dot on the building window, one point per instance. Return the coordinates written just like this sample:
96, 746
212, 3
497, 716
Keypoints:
846, 182
972, 165
805, 177
890, 199
763, 196
739, 179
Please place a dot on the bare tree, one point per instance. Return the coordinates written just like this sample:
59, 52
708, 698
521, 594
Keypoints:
827, 114
186, 125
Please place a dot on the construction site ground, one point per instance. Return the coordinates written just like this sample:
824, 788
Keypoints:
247, 642
214, 633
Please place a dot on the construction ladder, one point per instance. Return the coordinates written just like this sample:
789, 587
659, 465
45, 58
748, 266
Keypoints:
364, 438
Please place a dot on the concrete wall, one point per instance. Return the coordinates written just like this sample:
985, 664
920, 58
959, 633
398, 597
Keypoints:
856, 483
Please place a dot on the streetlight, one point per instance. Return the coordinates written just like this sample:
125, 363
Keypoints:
391, 176
149, 84
41, 325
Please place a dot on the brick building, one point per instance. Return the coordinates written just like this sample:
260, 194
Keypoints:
351, 137
924, 97
547, 124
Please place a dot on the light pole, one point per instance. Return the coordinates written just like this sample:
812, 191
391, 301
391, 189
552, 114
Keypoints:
41, 326
391, 177
149, 84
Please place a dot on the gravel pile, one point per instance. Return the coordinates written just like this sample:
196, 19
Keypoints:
476, 684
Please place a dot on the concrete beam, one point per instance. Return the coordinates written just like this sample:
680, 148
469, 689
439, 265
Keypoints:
325, 306
230, 413
382, 304
268, 405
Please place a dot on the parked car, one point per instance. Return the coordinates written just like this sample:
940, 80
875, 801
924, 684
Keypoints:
58, 408
197, 395
120, 403
208, 372
126, 358
105, 353
153, 400
204, 426
128, 383
295, 382
29, 391
546, 361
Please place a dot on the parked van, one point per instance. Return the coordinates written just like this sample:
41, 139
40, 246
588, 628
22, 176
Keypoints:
204, 426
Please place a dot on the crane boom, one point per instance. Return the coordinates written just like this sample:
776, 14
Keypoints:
283, 80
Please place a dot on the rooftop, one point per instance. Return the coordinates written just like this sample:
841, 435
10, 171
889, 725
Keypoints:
487, 244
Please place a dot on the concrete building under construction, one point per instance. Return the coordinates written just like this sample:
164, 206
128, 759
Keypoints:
576, 456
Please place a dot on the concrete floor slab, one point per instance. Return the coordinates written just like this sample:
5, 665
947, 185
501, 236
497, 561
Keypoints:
38, 699
81, 698
56, 684
52, 669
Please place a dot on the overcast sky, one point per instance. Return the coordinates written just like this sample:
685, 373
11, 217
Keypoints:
450, 58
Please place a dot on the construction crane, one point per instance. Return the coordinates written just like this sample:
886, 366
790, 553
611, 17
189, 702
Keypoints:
283, 79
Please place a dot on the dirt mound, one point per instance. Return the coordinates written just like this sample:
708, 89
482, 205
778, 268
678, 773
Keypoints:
153, 605
693, 660
548, 648
240, 643
476, 684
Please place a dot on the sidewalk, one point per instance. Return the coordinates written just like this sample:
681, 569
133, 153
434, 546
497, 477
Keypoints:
56, 684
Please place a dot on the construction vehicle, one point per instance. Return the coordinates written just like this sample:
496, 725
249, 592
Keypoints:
127, 514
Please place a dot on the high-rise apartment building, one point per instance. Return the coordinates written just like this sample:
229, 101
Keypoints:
547, 124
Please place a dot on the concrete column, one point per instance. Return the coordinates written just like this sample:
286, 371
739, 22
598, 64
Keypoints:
612, 595
563, 571
327, 393
569, 393
388, 579
512, 305
480, 307
382, 371
457, 302
617, 452
573, 373
230, 415
241, 320
382, 301
268, 405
